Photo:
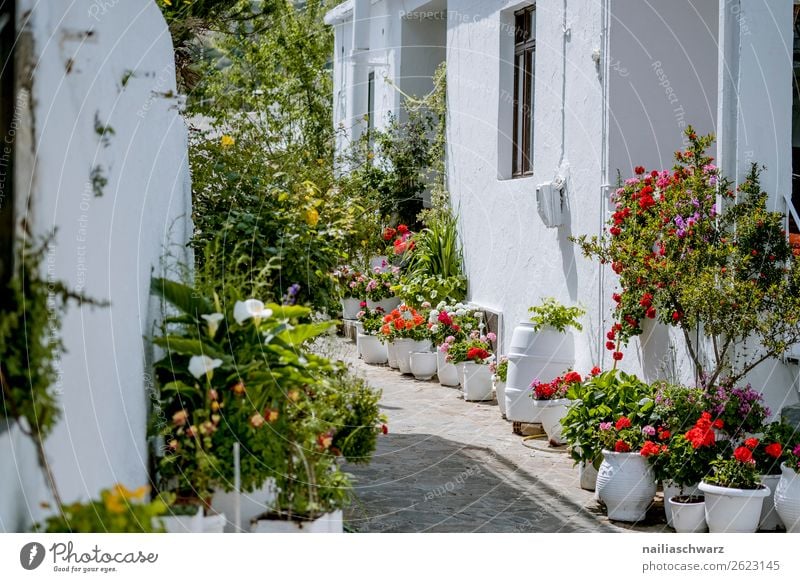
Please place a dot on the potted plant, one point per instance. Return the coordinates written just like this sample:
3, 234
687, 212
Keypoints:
499, 372
352, 286
379, 289
409, 332
371, 347
740, 409
540, 348
768, 453
689, 513
787, 495
626, 481
734, 493
687, 460
472, 357
551, 398
119, 510
448, 324
596, 400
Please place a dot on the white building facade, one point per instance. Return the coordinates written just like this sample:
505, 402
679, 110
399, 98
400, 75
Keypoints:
100, 156
612, 85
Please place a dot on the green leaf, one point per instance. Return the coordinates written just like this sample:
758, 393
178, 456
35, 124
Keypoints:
302, 333
187, 347
181, 296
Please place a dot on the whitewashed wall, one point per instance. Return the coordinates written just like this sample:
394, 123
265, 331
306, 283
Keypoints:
111, 62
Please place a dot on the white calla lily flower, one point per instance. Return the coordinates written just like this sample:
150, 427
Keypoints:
251, 308
200, 366
213, 320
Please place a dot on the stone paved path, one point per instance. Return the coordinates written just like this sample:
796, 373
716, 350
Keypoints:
453, 466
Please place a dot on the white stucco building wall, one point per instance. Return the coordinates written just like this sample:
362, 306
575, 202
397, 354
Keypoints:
616, 82
98, 64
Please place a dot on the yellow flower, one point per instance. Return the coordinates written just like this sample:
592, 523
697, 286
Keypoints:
312, 216
113, 502
226, 141
167, 2
139, 493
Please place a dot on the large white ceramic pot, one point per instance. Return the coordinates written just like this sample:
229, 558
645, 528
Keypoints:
391, 354
587, 476
673, 489
626, 484
373, 350
545, 355
423, 365
328, 523
184, 523
447, 372
403, 348
688, 513
387, 304
550, 414
251, 504
769, 520
477, 384
787, 499
423, 346
500, 392
350, 307
730, 510
214, 523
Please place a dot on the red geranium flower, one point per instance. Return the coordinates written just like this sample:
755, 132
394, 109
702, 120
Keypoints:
477, 354
572, 377
595, 371
651, 313
719, 423
743, 455
650, 448
610, 345
402, 228
774, 450
622, 447
623, 422
617, 356
639, 170
384, 429
389, 234
751, 443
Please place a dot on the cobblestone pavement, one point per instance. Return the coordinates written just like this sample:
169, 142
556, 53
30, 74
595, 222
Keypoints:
453, 466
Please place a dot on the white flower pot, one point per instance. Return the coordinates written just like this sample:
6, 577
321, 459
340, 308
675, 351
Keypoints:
545, 355
500, 392
769, 520
184, 523
391, 354
587, 475
387, 304
672, 489
730, 510
328, 523
551, 413
372, 349
423, 365
787, 499
477, 384
403, 348
447, 372
423, 346
688, 517
214, 523
626, 484
350, 307
251, 504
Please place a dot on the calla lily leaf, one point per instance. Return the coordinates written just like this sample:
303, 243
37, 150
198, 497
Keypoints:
187, 347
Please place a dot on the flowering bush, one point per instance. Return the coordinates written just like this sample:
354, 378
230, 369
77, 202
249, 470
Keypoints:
737, 471
678, 406
404, 322
740, 409
793, 459
777, 439
477, 348
686, 262
401, 239
371, 319
623, 436
555, 389
379, 285
601, 398
456, 320
351, 282
690, 453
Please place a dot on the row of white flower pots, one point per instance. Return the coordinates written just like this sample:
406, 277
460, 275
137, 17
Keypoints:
626, 485
351, 305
